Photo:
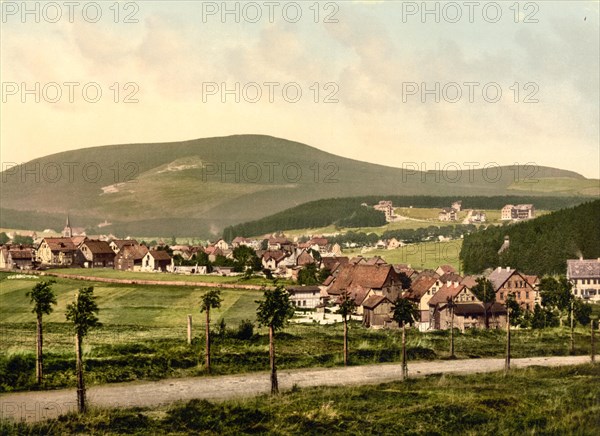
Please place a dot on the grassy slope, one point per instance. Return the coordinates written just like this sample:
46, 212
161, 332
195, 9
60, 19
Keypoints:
166, 201
426, 255
530, 401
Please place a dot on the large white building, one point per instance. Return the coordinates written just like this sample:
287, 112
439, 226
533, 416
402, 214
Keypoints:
585, 276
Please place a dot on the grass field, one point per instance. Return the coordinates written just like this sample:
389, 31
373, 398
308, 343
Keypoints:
425, 255
144, 337
138, 275
552, 401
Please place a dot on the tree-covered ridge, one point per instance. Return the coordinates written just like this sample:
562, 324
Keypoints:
348, 212
540, 246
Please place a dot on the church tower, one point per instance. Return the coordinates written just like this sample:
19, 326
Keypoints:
67, 231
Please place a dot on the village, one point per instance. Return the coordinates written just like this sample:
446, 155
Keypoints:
443, 296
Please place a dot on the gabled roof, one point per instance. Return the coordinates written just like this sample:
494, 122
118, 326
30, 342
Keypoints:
331, 263
500, 275
419, 287
135, 252
583, 268
449, 290
377, 260
60, 244
159, 255
469, 281
367, 276
277, 255
120, 243
26, 253
304, 259
374, 300
447, 269
450, 277
98, 247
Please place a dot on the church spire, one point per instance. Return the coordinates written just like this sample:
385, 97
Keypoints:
67, 231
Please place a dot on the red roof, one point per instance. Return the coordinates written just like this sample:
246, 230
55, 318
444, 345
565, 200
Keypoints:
367, 276
420, 286
160, 255
449, 290
374, 300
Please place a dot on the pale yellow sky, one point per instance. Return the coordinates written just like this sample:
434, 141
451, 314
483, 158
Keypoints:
374, 65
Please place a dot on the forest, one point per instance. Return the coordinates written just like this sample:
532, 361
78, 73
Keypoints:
348, 212
540, 246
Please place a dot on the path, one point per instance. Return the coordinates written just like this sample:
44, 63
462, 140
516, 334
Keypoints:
39, 405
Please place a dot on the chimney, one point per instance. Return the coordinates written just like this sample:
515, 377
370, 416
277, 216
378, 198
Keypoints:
508, 268
499, 268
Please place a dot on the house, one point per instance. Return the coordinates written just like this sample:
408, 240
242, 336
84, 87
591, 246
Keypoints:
118, 244
509, 281
366, 279
184, 251
376, 260
17, 257
279, 242
470, 315
518, 212
95, 254
406, 269
476, 216
377, 312
221, 244
457, 205
332, 263
381, 244
57, 251
394, 244
157, 260
421, 291
585, 276
238, 241
130, 257
444, 269
387, 208
308, 297
447, 214
272, 258
469, 312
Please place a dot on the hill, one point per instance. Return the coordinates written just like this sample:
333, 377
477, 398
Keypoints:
198, 187
539, 246
349, 212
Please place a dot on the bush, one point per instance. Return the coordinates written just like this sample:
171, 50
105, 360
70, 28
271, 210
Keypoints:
245, 330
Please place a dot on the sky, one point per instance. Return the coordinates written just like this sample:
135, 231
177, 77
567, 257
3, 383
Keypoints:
394, 83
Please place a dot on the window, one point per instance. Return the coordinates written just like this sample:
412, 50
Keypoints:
502, 295
527, 294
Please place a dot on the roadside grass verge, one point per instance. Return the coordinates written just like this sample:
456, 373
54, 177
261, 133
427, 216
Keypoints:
536, 400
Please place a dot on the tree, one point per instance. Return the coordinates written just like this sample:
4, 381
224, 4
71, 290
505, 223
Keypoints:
4, 238
246, 258
42, 296
22, 240
274, 311
451, 306
210, 300
404, 312
308, 275
556, 295
346, 309
81, 313
516, 311
484, 291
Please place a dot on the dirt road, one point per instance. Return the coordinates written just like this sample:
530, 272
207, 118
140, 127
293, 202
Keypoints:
34, 406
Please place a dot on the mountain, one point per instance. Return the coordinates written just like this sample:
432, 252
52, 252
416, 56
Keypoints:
178, 188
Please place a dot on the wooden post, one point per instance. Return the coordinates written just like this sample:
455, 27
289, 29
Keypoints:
80, 382
572, 345
452, 332
39, 367
345, 341
274, 385
207, 351
593, 352
404, 364
507, 361
189, 329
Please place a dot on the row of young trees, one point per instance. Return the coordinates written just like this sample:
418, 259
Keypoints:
82, 315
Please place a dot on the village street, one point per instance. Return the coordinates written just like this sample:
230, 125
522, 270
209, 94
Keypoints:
35, 406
